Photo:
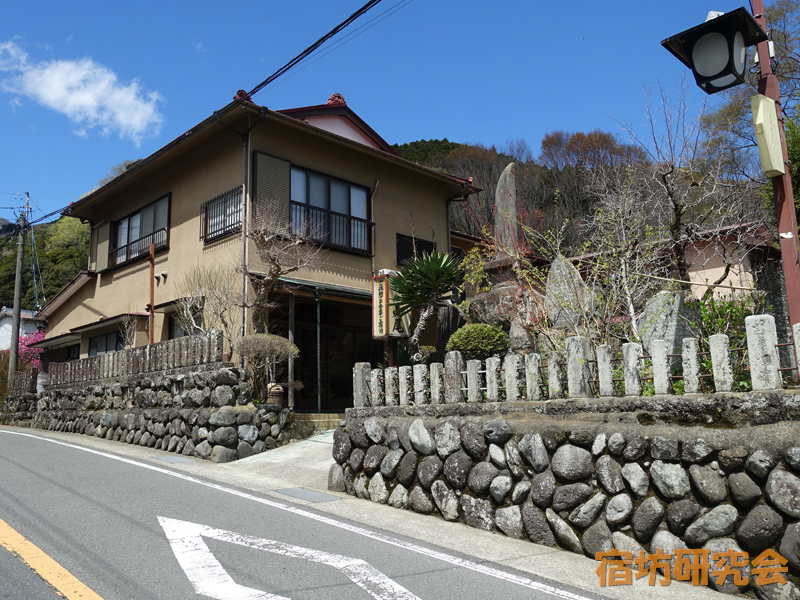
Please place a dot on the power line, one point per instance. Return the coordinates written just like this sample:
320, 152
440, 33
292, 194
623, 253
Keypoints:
314, 46
349, 37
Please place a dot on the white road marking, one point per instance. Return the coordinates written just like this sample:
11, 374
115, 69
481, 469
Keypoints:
210, 579
453, 560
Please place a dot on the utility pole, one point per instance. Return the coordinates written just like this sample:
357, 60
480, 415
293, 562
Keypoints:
782, 184
14, 350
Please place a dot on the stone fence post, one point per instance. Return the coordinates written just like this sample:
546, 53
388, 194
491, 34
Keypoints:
493, 379
474, 381
533, 376
453, 381
578, 367
661, 370
360, 384
437, 383
719, 346
405, 374
632, 367
762, 350
554, 387
421, 384
376, 395
691, 366
605, 370
511, 370
390, 383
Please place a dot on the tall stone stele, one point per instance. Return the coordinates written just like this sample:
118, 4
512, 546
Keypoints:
505, 205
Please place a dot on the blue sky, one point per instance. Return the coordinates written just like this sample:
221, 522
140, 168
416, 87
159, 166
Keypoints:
87, 85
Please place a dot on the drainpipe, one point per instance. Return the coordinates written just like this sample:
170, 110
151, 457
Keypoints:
318, 297
245, 157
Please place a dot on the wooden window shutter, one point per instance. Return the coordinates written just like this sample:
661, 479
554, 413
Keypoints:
103, 235
272, 185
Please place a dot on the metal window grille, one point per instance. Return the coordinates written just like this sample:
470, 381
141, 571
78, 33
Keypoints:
221, 215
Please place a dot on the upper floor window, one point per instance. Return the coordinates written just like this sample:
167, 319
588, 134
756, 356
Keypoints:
222, 215
408, 247
132, 235
331, 211
107, 342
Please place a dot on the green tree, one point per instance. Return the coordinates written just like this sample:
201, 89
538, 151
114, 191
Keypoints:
422, 285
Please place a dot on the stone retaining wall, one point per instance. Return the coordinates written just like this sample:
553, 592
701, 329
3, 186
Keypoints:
204, 411
590, 478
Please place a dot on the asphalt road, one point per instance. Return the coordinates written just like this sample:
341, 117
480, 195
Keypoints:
139, 529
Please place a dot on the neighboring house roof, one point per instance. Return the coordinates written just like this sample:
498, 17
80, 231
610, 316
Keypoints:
24, 315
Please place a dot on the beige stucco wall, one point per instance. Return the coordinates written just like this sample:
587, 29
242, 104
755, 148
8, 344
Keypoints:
707, 265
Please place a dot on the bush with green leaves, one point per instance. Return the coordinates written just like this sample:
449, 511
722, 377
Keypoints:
479, 341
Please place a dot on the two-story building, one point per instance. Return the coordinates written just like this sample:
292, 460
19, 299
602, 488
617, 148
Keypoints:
191, 199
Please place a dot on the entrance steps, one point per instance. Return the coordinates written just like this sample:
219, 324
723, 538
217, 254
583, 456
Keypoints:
321, 422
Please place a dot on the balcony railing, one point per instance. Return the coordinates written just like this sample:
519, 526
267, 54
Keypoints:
138, 247
334, 230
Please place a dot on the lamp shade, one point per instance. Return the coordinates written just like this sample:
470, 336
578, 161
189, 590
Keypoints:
716, 50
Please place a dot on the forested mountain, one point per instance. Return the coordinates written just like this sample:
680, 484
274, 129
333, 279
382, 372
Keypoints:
62, 249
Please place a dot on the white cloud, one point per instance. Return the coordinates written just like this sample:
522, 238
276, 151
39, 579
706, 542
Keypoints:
199, 47
88, 93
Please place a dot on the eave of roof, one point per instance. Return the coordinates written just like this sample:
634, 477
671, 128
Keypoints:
78, 208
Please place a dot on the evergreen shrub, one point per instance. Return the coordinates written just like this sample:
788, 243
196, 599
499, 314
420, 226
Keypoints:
479, 341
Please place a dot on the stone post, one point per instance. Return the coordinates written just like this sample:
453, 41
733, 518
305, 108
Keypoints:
578, 366
605, 370
533, 376
721, 362
762, 338
796, 335
390, 383
376, 397
474, 393
691, 366
493, 379
360, 385
453, 381
511, 368
437, 383
632, 368
405, 374
554, 387
660, 360
421, 384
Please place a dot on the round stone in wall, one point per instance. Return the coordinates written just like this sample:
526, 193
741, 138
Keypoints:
760, 529
533, 450
457, 468
680, 515
543, 487
428, 470
447, 438
480, 478
421, 439
572, 463
567, 497
670, 479
619, 510
609, 474
536, 526
473, 441
783, 490
718, 522
497, 431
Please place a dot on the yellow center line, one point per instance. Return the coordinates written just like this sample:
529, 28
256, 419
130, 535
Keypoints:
53, 573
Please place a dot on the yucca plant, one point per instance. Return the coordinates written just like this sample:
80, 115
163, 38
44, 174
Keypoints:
422, 285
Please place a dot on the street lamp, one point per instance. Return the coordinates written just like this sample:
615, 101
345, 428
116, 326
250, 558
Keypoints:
716, 51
